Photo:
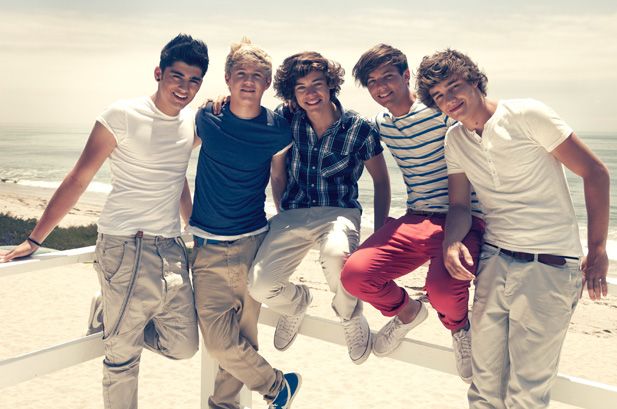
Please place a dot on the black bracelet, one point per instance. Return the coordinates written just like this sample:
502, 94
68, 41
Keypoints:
31, 240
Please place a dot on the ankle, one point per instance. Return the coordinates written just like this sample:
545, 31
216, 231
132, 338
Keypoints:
409, 312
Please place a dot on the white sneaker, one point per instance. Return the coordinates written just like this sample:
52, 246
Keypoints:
392, 334
95, 319
461, 343
287, 328
358, 337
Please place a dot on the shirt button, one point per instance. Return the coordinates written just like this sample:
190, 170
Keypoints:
314, 149
314, 201
312, 185
312, 167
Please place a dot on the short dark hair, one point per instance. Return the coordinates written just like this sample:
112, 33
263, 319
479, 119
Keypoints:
376, 57
300, 65
443, 65
186, 49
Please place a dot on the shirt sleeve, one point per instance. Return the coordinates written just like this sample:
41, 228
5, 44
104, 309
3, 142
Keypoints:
451, 153
543, 125
114, 119
371, 146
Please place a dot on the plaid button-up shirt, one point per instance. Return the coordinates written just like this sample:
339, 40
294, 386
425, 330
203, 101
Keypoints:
325, 171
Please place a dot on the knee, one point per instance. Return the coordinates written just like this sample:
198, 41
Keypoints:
353, 275
185, 347
216, 345
359, 275
262, 288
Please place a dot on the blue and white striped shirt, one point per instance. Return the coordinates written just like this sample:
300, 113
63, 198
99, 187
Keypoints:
325, 171
416, 141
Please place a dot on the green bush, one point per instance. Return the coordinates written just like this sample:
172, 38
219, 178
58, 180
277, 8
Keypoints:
14, 230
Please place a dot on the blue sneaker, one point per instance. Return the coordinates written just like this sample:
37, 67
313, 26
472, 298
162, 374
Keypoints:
288, 393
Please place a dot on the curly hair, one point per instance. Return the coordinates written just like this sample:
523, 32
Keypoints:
376, 57
300, 65
245, 52
443, 65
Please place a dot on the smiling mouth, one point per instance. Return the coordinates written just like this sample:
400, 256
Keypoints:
182, 97
383, 96
456, 108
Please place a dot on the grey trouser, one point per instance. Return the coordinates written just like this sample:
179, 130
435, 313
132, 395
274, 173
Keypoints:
228, 319
521, 313
147, 302
291, 236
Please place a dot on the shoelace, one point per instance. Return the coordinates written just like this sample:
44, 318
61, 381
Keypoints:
392, 328
464, 343
354, 334
289, 323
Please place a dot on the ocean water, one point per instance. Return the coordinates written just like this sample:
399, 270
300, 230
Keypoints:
40, 156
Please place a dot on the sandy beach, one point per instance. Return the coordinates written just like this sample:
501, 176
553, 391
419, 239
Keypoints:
48, 307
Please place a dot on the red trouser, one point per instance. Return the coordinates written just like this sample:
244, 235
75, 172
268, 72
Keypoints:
401, 246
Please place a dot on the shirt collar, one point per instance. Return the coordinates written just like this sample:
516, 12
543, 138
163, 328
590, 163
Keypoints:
342, 122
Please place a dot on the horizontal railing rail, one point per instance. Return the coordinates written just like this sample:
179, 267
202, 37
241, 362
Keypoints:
568, 389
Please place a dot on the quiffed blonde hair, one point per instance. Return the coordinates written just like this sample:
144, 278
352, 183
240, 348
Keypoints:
245, 53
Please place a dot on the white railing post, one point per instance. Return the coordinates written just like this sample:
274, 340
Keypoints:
209, 368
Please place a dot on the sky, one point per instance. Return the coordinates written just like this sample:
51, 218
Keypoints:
63, 62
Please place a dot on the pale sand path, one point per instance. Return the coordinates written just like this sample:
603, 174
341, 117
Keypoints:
48, 307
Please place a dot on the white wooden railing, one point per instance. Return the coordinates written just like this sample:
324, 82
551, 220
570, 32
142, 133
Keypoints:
568, 389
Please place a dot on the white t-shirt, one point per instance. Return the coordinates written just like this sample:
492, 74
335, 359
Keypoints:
148, 167
521, 186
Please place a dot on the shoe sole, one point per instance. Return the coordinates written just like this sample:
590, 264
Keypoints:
420, 318
367, 352
295, 393
286, 347
91, 329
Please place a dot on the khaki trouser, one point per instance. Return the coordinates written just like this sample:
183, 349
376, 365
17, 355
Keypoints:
228, 319
147, 302
292, 234
521, 313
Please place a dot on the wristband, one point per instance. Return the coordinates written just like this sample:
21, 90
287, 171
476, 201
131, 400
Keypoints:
31, 240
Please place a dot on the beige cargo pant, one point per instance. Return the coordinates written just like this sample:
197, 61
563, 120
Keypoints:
521, 313
292, 234
228, 319
147, 302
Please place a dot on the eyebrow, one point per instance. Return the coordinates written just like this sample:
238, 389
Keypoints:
195, 77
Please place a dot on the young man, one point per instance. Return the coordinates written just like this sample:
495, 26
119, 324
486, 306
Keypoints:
415, 135
320, 205
147, 299
529, 279
241, 148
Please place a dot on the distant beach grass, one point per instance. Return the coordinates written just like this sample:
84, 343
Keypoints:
14, 230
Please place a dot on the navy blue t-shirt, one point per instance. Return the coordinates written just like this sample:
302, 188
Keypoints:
234, 168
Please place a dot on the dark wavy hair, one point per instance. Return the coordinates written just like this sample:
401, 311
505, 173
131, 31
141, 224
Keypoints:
443, 65
376, 57
186, 49
300, 65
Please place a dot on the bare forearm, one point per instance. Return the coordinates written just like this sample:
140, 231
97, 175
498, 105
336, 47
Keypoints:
62, 201
597, 194
458, 223
278, 186
381, 200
